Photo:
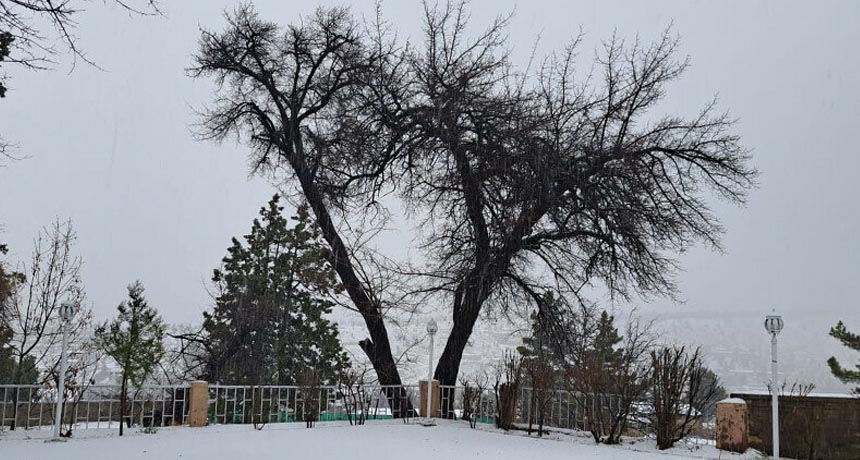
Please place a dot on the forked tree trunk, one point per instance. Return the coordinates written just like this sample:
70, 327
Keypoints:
467, 306
468, 299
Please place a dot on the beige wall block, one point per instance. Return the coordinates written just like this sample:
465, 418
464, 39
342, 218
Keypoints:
732, 425
199, 403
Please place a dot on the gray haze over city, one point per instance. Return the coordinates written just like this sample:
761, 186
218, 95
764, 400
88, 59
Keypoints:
113, 150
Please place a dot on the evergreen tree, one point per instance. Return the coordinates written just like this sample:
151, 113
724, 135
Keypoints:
28, 374
852, 341
134, 339
606, 339
542, 360
274, 292
709, 393
548, 339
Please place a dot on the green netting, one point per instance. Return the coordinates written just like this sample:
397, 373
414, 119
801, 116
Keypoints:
331, 417
239, 417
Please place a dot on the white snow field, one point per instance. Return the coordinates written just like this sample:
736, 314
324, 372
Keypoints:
390, 440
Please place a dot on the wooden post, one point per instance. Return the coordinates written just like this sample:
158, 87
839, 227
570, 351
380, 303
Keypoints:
436, 402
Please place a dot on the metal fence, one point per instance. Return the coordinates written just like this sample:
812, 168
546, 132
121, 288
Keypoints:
98, 406
95, 406
272, 404
232, 404
554, 408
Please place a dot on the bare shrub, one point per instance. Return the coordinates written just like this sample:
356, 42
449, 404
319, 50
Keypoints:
679, 385
506, 388
607, 378
473, 391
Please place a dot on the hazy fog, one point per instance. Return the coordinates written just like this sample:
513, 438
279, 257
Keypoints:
113, 151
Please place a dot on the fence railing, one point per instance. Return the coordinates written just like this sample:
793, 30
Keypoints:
98, 406
94, 406
272, 404
553, 408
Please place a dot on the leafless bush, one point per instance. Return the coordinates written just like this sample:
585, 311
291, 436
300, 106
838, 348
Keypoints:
473, 391
507, 387
356, 401
542, 378
679, 385
607, 380
803, 421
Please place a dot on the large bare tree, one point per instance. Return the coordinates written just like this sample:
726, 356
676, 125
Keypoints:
283, 91
550, 180
522, 181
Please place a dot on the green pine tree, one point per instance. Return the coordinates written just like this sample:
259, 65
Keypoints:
134, 339
275, 290
606, 340
545, 341
852, 341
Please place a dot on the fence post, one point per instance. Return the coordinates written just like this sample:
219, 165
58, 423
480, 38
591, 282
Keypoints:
732, 425
435, 402
199, 403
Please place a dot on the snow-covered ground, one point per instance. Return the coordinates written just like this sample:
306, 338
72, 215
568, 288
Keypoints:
390, 440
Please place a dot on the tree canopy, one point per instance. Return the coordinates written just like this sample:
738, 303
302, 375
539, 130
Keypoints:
522, 180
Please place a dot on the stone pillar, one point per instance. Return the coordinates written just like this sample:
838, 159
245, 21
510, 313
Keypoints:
198, 403
732, 425
435, 403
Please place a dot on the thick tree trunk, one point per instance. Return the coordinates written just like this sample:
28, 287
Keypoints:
121, 411
377, 347
449, 362
13, 423
470, 296
468, 300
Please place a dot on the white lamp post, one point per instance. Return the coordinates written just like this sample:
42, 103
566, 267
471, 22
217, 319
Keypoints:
773, 324
67, 312
432, 328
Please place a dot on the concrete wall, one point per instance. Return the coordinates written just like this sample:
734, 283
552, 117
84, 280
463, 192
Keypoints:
811, 427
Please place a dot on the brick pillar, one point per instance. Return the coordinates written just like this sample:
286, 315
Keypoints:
198, 403
732, 425
435, 403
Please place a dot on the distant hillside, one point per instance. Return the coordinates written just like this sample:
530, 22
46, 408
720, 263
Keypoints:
736, 345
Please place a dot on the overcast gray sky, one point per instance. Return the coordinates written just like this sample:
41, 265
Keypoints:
113, 150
